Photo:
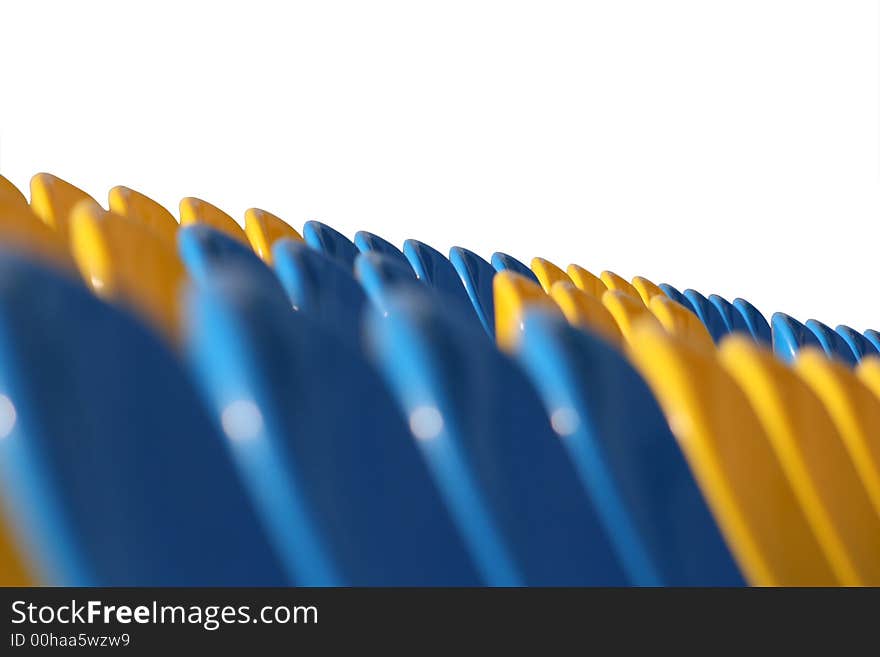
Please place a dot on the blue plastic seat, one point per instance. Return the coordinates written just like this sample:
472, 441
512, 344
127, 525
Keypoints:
376, 272
321, 446
790, 336
331, 242
627, 458
113, 471
482, 430
675, 295
321, 288
477, 275
379, 274
755, 321
708, 314
858, 343
733, 320
435, 270
367, 242
503, 262
206, 252
831, 341
873, 337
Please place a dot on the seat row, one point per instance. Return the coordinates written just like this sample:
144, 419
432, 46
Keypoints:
195, 402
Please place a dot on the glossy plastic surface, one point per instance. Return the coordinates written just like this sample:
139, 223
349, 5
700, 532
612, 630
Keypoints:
814, 460
101, 489
263, 229
755, 321
134, 205
52, 200
619, 284
477, 275
831, 342
708, 314
368, 242
646, 289
514, 295
858, 343
586, 312
323, 450
124, 260
330, 242
734, 322
732, 461
196, 211
853, 407
504, 262
627, 459
790, 336
547, 273
435, 270
628, 312
21, 229
675, 295
321, 288
487, 440
680, 321
586, 281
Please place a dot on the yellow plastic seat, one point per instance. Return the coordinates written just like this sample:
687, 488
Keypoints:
22, 230
263, 229
627, 311
732, 461
680, 321
53, 199
853, 408
585, 311
868, 372
11, 195
646, 289
619, 284
813, 457
586, 281
197, 211
514, 294
134, 205
547, 273
123, 260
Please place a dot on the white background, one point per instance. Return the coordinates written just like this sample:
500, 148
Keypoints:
732, 147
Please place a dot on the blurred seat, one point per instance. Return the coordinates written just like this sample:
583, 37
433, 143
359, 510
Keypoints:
733, 462
124, 260
481, 429
627, 459
111, 471
323, 451
206, 403
813, 457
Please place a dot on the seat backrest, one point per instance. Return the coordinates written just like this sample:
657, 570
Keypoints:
114, 474
324, 451
486, 437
